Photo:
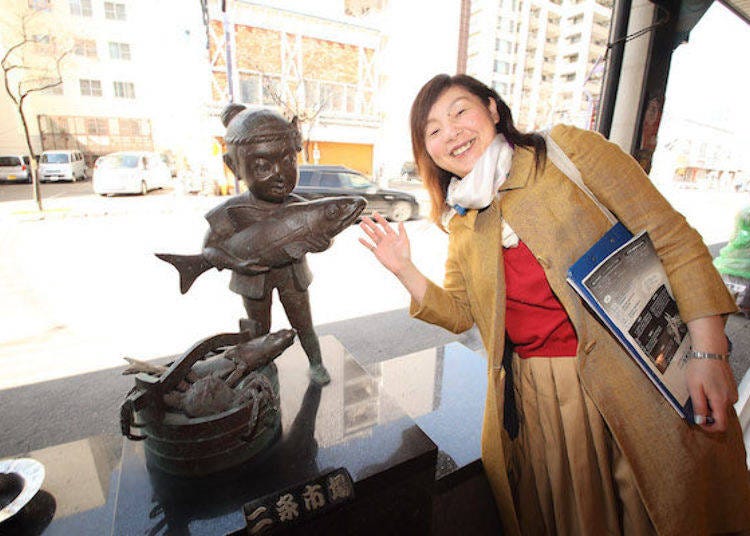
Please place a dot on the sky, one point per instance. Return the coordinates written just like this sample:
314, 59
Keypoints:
709, 78
419, 47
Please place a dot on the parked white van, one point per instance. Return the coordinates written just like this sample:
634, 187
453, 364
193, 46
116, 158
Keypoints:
62, 166
130, 172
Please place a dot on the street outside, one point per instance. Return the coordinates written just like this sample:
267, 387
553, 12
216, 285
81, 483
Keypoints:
82, 288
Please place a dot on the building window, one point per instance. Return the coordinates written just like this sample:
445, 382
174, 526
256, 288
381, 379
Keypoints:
129, 127
573, 38
502, 67
54, 125
334, 96
569, 77
271, 89
575, 20
96, 126
250, 88
501, 45
501, 88
114, 11
91, 88
85, 47
571, 58
124, 90
80, 8
312, 93
39, 5
119, 51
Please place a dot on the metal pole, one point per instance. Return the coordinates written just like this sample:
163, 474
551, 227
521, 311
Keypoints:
228, 49
617, 34
230, 83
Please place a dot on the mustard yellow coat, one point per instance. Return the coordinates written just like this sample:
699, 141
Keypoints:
690, 482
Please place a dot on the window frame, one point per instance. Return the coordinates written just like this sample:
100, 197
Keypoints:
94, 87
123, 89
114, 11
81, 8
119, 51
86, 47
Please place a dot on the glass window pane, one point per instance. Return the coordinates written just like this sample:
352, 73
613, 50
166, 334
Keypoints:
330, 180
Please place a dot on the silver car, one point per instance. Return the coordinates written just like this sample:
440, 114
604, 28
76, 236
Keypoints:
15, 168
130, 172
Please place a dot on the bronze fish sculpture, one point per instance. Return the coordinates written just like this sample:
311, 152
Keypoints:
264, 240
248, 356
232, 364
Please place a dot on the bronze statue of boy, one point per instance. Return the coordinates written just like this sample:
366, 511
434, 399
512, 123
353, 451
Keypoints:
262, 152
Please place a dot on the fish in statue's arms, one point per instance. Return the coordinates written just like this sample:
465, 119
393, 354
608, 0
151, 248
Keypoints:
264, 240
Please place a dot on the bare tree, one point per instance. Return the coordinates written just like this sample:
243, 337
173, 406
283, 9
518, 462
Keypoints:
31, 64
293, 102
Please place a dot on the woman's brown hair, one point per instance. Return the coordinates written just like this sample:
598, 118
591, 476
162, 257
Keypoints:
437, 179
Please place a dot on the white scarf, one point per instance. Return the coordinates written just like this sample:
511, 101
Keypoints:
479, 187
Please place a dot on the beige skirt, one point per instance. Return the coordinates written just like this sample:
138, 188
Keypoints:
568, 475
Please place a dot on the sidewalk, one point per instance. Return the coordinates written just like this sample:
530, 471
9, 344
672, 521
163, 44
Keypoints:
91, 206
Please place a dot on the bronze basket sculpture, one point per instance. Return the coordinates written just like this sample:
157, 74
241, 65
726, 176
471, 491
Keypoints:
214, 407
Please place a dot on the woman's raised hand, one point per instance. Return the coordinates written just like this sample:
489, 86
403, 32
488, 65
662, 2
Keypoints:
391, 248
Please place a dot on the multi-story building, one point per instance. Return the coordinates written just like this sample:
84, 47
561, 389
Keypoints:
155, 75
316, 61
130, 79
694, 154
544, 57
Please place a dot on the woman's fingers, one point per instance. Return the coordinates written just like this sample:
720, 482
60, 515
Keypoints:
367, 244
711, 394
379, 229
383, 223
370, 231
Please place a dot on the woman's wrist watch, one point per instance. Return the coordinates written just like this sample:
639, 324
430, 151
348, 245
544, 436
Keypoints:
694, 354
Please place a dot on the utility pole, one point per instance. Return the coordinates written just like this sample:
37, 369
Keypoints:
228, 49
226, 24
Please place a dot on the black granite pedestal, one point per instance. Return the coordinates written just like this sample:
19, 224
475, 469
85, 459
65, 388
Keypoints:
381, 425
443, 389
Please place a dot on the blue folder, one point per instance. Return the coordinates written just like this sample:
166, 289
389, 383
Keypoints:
614, 239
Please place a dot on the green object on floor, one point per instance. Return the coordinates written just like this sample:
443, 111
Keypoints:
734, 258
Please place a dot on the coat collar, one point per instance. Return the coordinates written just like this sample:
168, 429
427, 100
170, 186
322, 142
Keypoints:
521, 169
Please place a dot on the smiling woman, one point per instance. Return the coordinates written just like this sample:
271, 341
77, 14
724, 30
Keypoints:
575, 439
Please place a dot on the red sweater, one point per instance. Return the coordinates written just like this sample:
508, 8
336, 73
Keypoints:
534, 318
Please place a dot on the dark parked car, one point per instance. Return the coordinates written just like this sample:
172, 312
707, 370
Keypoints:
330, 181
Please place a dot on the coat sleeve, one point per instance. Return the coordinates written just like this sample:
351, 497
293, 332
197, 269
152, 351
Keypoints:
619, 182
446, 306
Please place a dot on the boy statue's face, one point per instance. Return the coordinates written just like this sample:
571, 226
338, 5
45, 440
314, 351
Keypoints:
268, 168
